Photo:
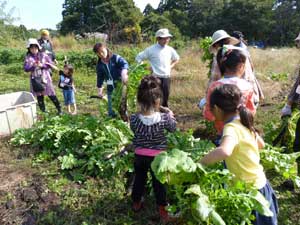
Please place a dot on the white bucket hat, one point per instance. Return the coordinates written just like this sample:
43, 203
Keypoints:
232, 47
297, 38
222, 34
163, 33
33, 41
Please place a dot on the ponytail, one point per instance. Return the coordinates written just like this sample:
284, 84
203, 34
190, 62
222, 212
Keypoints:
246, 117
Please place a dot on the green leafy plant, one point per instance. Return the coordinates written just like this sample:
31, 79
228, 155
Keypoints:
207, 56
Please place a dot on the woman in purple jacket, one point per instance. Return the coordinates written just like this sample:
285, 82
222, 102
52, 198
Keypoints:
39, 65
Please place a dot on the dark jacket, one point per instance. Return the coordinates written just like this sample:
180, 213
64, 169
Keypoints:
112, 70
47, 46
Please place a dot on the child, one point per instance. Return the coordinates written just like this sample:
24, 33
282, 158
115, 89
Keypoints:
231, 60
149, 126
66, 83
240, 146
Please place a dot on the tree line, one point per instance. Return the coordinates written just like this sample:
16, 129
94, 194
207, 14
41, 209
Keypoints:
274, 22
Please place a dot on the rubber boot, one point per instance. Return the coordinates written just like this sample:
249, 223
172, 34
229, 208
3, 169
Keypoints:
165, 216
56, 103
41, 103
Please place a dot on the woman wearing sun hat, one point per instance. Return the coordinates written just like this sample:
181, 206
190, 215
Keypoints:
38, 64
219, 39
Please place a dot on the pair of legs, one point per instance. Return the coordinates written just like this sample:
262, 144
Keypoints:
69, 97
165, 87
53, 98
69, 109
142, 165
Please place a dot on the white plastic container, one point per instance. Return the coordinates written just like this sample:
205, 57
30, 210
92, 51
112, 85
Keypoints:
17, 110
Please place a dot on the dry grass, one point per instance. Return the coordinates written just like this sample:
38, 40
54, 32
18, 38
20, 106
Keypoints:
283, 60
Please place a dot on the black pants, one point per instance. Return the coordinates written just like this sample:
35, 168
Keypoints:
297, 137
142, 164
165, 87
53, 98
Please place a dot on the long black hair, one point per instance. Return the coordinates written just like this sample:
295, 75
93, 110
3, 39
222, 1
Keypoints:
228, 98
149, 91
229, 59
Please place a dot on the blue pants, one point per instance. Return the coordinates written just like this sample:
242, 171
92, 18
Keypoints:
268, 192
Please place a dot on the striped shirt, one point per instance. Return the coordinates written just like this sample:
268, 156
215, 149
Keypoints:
151, 136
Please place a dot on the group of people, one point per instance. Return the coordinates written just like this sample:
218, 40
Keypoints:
232, 97
40, 61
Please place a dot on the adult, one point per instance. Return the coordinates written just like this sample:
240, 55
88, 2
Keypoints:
219, 39
240, 36
111, 68
294, 100
162, 58
38, 64
47, 45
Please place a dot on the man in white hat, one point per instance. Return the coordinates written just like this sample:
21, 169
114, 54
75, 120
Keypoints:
162, 58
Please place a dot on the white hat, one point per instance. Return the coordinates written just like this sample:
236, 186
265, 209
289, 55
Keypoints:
222, 34
297, 38
33, 41
232, 47
163, 33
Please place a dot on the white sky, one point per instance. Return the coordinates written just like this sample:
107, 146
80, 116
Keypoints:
38, 14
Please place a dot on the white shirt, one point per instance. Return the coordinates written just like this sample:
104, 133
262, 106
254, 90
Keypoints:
160, 58
150, 119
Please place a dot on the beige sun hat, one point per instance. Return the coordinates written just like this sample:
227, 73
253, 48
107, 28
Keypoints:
33, 41
297, 38
222, 34
163, 33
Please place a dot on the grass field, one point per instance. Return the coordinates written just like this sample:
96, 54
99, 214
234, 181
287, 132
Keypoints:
35, 193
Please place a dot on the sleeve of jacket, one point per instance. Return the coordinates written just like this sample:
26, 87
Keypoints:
122, 63
28, 64
100, 76
53, 53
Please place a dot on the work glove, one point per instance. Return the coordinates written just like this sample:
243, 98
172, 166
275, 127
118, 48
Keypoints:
286, 110
202, 103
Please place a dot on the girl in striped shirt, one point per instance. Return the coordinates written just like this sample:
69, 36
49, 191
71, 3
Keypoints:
149, 126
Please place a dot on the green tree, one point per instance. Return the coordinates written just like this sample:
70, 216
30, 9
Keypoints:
286, 22
108, 16
152, 22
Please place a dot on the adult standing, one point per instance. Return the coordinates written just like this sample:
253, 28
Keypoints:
38, 64
294, 99
111, 68
162, 58
221, 38
47, 45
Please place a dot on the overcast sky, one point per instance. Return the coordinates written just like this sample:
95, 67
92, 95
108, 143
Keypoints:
38, 14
